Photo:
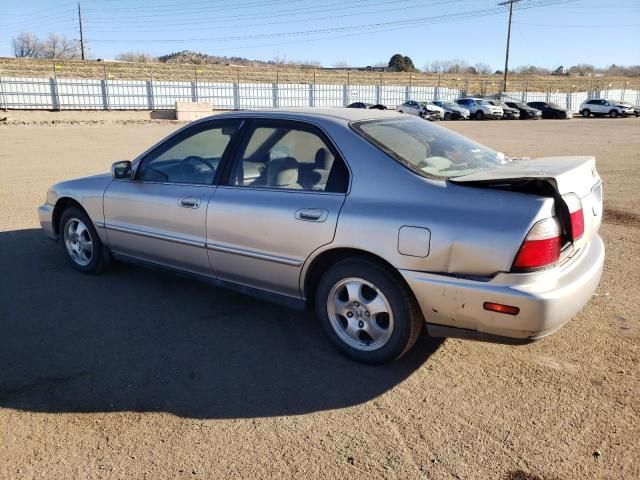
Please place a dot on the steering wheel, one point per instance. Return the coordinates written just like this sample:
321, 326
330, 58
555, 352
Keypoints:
188, 169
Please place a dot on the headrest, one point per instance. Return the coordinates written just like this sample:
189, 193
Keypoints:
324, 159
283, 171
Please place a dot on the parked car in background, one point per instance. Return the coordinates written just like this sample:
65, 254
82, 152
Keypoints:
636, 110
551, 110
452, 111
432, 110
600, 107
380, 221
374, 106
526, 112
421, 109
479, 108
510, 113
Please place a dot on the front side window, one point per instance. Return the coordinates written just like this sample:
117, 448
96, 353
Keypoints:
429, 150
283, 156
190, 158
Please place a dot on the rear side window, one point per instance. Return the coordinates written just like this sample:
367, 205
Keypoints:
427, 149
288, 156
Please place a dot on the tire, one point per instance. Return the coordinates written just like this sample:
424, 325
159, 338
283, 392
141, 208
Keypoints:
479, 115
613, 113
358, 287
447, 116
586, 113
80, 242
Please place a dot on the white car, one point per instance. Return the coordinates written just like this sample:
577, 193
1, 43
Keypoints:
480, 108
600, 107
420, 109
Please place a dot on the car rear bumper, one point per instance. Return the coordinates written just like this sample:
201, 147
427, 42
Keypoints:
45, 214
547, 300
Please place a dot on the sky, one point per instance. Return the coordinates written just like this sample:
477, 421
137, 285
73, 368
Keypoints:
546, 33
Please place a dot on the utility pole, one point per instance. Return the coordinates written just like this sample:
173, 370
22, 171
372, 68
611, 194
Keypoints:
506, 57
81, 36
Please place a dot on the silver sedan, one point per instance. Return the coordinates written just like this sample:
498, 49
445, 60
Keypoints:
381, 222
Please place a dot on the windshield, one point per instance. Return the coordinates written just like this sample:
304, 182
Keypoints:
554, 105
482, 102
427, 149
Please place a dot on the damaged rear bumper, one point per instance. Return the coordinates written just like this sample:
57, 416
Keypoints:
547, 299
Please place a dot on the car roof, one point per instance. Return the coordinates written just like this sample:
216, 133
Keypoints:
311, 114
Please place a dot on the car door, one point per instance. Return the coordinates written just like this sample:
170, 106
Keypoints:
159, 214
280, 201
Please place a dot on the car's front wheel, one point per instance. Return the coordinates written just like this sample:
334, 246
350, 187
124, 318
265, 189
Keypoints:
367, 311
80, 242
613, 113
479, 115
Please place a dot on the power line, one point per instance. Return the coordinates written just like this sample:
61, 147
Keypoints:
279, 22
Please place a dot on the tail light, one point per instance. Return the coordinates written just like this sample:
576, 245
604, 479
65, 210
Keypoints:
575, 213
541, 247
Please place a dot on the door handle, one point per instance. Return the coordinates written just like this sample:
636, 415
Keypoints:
312, 214
189, 202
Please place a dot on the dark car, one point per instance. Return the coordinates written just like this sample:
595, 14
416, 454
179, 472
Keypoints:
376, 106
510, 113
526, 112
636, 110
551, 110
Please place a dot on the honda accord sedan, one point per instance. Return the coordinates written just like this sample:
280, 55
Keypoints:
381, 222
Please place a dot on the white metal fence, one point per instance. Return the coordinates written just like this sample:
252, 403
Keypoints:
85, 94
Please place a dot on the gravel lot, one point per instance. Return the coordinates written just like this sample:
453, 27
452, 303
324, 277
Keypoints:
138, 374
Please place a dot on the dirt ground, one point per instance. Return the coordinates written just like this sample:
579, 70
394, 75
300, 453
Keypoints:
138, 374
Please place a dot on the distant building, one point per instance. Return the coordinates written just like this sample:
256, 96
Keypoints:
560, 71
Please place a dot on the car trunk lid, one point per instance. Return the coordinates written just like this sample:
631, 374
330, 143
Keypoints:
555, 177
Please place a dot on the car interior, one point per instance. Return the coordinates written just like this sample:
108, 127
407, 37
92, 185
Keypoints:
288, 158
194, 159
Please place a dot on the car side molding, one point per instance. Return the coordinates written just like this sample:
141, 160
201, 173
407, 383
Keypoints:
280, 299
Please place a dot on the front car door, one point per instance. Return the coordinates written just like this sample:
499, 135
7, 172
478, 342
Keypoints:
159, 215
279, 202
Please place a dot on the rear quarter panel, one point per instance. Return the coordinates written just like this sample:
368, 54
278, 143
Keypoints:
473, 231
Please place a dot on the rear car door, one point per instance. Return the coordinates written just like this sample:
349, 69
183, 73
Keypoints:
159, 215
280, 202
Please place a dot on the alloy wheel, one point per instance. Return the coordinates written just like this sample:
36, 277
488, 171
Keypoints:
360, 314
78, 242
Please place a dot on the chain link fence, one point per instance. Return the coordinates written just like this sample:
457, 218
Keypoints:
105, 86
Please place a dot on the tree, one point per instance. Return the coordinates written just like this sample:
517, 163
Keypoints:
26, 45
482, 68
340, 65
582, 69
136, 57
59, 46
401, 63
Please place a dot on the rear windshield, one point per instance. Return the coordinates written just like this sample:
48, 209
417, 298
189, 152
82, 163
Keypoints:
427, 149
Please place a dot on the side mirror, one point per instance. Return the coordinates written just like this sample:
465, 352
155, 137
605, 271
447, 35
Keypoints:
121, 170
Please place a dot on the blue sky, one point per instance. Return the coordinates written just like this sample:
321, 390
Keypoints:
360, 32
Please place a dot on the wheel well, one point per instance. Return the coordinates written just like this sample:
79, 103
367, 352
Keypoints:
61, 205
322, 262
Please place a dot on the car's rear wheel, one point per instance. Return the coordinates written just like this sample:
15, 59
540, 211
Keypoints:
613, 113
367, 311
80, 242
586, 112
479, 115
